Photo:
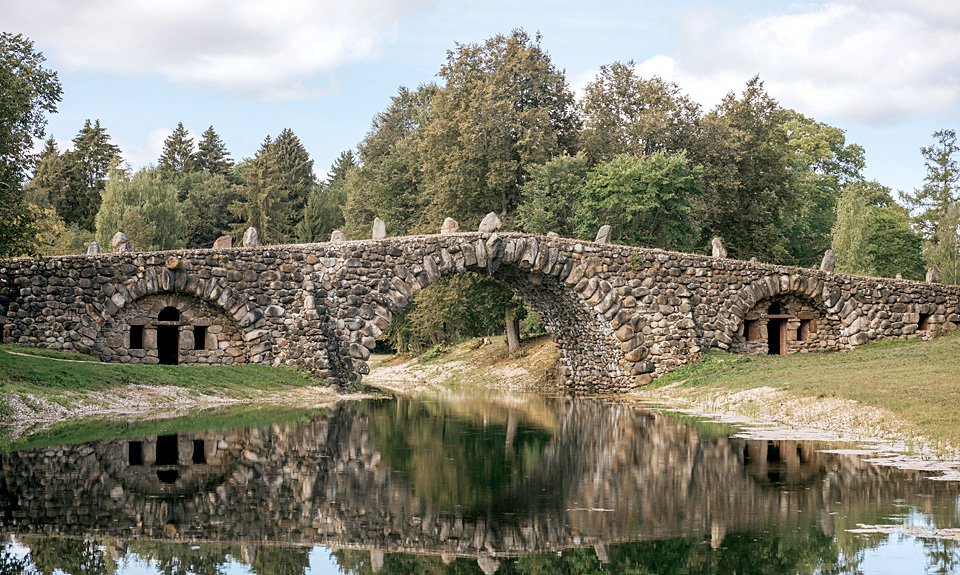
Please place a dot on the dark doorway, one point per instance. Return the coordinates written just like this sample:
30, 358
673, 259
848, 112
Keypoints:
168, 344
775, 336
168, 450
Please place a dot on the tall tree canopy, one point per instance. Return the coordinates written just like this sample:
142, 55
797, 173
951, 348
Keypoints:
646, 200
626, 114
503, 108
389, 183
748, 191
28, 92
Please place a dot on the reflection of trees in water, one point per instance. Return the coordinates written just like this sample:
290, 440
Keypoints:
484, 481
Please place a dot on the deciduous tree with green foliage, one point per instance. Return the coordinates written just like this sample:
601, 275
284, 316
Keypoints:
646, 200
206, 207
626, 114
872, 234
747, 172
389, 182
28, 91
144, 206
551, 196
503, 109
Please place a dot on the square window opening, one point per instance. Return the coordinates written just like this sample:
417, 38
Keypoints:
200, 337
136, 337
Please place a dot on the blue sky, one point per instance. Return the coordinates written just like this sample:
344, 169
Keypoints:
885, 71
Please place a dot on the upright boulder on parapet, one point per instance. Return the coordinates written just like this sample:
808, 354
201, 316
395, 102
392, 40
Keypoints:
337, 237
716, 248
450, 226
829, 261
251, 238
120, 243
933, 275
490, 223
604, 234
379, 229
223, 242
93, 249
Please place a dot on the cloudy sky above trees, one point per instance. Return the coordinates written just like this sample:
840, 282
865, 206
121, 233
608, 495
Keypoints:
885, 71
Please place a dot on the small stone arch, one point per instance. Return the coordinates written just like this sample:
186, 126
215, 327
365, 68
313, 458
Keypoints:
781, 315
123, 332
597, 335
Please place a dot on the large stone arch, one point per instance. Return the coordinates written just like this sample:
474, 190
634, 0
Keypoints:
598, 338
239, 338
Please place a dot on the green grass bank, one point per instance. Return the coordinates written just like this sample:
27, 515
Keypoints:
913, 381
37, 384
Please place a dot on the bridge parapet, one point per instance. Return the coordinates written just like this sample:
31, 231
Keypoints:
620, 315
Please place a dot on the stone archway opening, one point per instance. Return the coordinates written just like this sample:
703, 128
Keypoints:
785, 324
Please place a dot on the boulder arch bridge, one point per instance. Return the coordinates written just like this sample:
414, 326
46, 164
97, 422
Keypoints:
619, 315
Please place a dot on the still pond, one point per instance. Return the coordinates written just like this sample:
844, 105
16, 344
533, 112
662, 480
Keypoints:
488, 485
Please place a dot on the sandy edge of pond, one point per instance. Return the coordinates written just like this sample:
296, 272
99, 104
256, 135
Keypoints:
147, 402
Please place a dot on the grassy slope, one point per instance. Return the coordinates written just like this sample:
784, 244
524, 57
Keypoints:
918, 381
60, 381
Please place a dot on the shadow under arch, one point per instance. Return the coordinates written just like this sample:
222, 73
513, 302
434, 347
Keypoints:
581, 316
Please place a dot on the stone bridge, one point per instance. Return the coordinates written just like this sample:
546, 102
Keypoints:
619, 315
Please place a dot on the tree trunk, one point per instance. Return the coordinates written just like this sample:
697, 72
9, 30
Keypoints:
513, 332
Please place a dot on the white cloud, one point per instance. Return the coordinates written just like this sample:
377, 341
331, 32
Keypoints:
266, 49
876, 62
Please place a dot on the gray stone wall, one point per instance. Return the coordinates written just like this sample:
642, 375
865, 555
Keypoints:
620, 316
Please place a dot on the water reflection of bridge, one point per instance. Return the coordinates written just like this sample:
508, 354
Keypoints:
399, 476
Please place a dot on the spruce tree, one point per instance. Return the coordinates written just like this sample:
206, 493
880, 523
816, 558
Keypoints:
49, 177
87, 165
212, 155
177, 157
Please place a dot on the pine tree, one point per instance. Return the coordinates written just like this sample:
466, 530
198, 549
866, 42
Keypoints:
212, 155
177, 157
87, 165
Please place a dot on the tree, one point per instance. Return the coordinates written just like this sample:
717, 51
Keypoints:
935, 204
144, 206
50, 178
626, 114
822, 164
28, 92
212, 155
503, 109
324, 210
645, 200
177, 157
551, 196
748, 191
87, 165
389, 182
206, 207
276, 185
872, 234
